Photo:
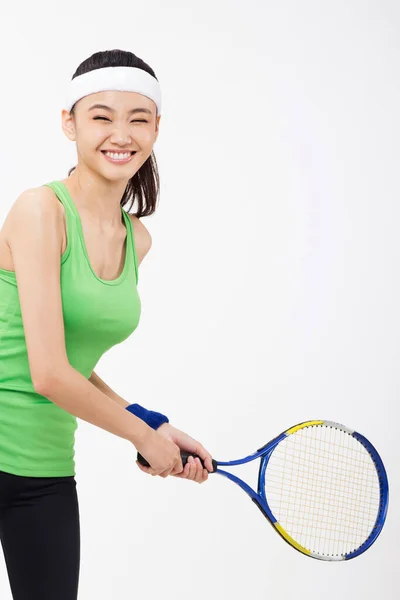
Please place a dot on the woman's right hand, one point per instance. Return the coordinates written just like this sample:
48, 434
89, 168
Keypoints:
162, 454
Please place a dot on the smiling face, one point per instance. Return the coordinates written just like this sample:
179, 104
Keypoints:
115, 121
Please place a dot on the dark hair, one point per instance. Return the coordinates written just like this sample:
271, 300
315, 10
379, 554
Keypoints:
145, 184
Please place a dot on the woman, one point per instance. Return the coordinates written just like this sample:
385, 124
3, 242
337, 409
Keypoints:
69, 256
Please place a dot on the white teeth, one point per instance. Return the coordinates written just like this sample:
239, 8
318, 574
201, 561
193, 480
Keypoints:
118, 155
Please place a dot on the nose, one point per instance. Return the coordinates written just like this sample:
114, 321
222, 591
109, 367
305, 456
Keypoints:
120, 135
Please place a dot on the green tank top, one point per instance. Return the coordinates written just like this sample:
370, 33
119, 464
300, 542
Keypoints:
37, 437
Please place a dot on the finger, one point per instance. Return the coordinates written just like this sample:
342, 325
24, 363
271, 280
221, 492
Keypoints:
186, 471
147, 470
206, 456
142, 468
202, 473
165, 473
196, 473
193, 468
199, 471
178, 469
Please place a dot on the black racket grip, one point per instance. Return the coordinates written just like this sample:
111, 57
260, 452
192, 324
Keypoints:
184, 457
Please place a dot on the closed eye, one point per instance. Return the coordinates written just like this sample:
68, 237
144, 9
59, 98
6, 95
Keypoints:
134, 121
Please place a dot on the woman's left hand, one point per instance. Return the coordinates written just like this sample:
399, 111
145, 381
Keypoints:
193, 469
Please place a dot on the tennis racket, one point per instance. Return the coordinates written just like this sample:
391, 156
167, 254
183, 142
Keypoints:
322, 486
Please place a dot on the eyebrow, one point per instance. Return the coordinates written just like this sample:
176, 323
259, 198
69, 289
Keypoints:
132, 111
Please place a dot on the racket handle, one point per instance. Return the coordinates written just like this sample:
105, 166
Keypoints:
184, 457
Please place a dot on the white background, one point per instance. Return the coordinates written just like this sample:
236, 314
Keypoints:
271, 294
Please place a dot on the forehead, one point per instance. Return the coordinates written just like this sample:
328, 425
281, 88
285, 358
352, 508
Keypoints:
119, 101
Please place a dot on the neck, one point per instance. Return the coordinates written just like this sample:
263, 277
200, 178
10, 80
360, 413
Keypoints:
98, 197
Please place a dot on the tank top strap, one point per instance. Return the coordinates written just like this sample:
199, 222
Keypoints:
74, 227
71, 225
131, 241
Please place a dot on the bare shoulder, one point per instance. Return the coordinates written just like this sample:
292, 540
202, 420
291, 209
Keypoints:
33, 203
41, 195
142, 237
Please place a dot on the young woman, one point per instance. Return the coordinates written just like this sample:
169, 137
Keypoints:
69, 257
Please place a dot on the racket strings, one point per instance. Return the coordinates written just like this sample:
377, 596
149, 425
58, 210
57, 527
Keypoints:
336, 504
323, 488
339, 486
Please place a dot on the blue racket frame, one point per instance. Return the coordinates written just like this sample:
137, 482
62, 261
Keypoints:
259, 497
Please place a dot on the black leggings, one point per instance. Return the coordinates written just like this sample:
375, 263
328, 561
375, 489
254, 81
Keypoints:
40, 536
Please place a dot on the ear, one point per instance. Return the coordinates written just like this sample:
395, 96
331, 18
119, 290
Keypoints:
68, 125
157, 127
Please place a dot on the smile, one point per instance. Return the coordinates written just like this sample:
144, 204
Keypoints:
118, 157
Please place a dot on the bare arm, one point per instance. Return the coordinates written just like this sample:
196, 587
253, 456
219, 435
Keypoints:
103, 387
70, 390
35, 240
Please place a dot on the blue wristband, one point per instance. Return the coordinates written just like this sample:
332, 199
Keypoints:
152, 418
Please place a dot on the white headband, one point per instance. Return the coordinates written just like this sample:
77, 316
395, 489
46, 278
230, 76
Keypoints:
123, 79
